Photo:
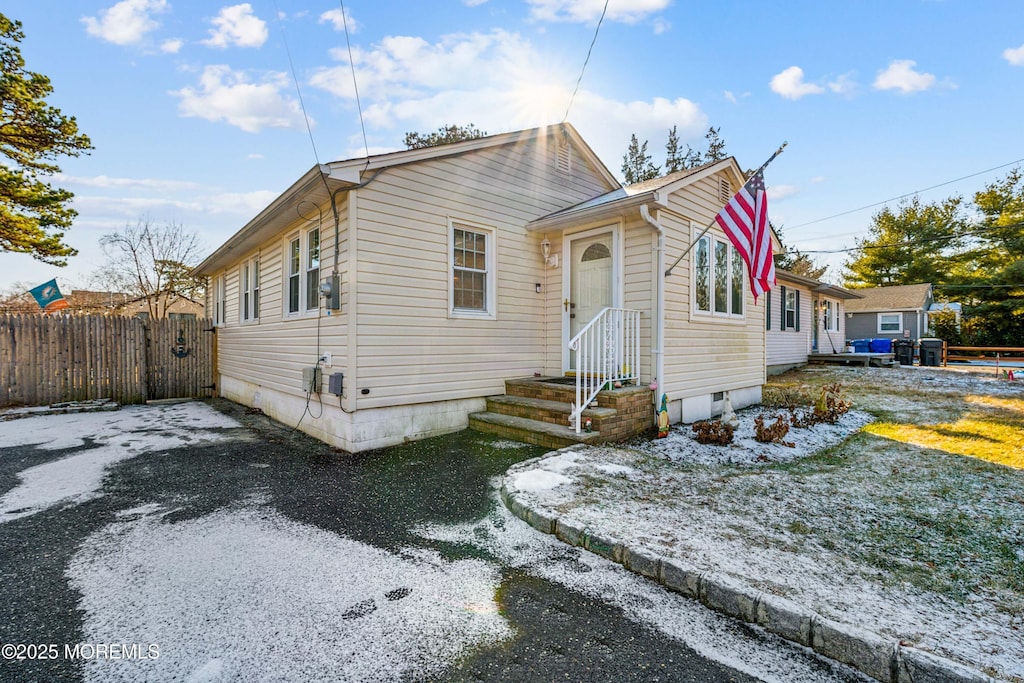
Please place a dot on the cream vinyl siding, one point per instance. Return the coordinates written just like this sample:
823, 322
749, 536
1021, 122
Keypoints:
272, 351
705, 354
639, 277
409, 349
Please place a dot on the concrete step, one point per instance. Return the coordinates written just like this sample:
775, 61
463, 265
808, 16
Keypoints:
530, 431
555, 412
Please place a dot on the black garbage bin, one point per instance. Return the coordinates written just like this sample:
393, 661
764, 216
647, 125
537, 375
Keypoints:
931, 351
904, 350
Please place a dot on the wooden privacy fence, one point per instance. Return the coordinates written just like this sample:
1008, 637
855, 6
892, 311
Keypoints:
52, 359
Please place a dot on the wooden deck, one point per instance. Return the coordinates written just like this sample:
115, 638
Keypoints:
878, 360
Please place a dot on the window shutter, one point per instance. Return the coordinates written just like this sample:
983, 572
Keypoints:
768, 310
798, 310
782, 310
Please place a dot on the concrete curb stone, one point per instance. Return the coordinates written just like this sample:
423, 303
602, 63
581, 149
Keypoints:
885, 660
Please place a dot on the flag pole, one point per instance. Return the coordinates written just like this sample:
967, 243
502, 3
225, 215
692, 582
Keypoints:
709, 225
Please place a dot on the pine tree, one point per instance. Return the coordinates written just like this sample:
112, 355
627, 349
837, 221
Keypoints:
636, 163
673, 161
917, 244
33, 214
443, 136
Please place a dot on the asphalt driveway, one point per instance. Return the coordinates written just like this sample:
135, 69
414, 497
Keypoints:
203, 542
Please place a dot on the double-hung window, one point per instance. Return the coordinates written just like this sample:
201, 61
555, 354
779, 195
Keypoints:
302, 272
792, 308
293, 257
890, 322
220, 300
831, 316
249, 288
313, 269
472, 280
718, 277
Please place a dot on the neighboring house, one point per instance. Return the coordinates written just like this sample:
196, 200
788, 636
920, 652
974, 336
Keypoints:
449, 270
88, 302
898, 312
804, 316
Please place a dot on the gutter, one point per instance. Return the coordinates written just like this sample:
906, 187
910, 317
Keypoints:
658, 353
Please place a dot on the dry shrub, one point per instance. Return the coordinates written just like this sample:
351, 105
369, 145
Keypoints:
717, 432
828, 408
772, 433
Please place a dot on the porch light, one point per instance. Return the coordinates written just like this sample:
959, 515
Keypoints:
545, 250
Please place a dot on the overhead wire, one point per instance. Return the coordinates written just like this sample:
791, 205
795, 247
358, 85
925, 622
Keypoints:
976, 232
295, 79
903, 196
586, 61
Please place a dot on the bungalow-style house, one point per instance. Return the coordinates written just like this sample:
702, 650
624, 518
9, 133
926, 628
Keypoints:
898, 312
392, 297
804, 316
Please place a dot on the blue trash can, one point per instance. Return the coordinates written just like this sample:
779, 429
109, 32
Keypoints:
880, 346
861, 345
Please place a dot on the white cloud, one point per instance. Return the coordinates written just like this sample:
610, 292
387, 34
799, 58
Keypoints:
171, 46
237, 25
843, 85
127, 22
1014, 55
338, 20
497, 81
227, 95
589, 11
900, 75
790, 84
780, 192
104, 181
473, 3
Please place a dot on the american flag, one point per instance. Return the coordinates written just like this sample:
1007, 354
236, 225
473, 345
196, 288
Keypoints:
745, 221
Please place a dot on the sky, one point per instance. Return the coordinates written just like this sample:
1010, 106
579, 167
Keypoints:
198, 110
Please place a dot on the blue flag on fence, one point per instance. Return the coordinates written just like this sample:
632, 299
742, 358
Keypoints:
48, 296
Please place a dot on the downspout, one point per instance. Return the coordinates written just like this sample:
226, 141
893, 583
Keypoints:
657, 352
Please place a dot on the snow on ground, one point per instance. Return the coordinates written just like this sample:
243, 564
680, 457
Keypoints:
246, 594
118, 436
735, 510
712, 635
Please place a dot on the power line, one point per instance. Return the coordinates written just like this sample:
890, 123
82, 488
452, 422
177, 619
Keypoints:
904, 196
355, 86
976, 232
295, 79
585, 61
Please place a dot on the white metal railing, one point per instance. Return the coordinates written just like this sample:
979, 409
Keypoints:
607, 351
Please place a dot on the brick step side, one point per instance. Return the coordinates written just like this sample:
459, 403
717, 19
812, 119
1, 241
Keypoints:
555, 412
530, 431
539, 389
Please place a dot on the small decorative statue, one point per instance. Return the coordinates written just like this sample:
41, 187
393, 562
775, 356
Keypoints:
663, 417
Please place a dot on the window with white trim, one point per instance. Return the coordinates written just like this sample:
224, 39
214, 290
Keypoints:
890, 322
220, 300
293, 278
472, 253
792, 309
249, 289
313, 269
831, 316
718, 276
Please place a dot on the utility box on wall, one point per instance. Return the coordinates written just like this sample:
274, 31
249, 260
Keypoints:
336, 383
311, 379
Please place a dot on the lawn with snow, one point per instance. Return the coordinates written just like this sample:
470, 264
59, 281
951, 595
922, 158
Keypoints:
919, 544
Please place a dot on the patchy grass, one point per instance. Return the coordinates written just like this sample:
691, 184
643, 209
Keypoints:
912, 526
991, 429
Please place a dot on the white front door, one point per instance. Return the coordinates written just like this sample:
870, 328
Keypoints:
591, 282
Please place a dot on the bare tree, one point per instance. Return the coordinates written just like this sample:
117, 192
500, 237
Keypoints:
153, 262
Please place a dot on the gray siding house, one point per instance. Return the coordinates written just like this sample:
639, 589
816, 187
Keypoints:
899, 312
